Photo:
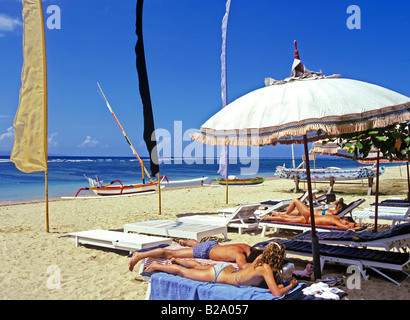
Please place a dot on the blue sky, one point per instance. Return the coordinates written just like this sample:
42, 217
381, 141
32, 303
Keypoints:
182, 47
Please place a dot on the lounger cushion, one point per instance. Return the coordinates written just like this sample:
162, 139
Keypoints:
397, 258
351, 235
273, 223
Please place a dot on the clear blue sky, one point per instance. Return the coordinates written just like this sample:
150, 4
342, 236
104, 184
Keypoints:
183, 46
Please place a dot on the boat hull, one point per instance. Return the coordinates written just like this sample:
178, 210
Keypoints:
126, 189
326, 174
241, 182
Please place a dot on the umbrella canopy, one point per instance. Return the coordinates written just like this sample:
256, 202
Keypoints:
285, 111
294, 109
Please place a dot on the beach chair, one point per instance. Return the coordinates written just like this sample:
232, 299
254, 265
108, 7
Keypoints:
395, 216
268, 206
178, 229
243, 218
305, 227
397, 237
117, 240
363, 258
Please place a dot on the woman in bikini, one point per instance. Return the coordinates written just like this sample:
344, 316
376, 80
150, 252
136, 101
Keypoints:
266, 266
298, 212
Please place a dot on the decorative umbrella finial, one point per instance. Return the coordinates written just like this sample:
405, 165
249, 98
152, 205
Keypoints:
296, 51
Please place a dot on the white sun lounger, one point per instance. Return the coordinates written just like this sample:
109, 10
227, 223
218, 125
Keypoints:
394, 216
117, 240
176, 229
397, 237
306, 227
243, 218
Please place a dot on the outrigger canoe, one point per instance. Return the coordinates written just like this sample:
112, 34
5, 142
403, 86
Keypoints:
239, 182
113, 188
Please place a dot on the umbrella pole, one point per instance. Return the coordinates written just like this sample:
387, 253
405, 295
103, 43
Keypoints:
315, 242
408, 183
376, 206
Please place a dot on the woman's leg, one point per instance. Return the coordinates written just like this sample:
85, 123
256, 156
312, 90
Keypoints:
159, 253
206, 275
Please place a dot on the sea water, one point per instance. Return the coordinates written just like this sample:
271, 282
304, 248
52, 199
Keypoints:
66, 174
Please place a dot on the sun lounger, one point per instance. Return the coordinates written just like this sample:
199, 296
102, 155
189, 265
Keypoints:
377, 260
393, 216
243, 218
305, 227
117, 240
176, 229
397, 237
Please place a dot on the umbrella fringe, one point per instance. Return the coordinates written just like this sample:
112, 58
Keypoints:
329, 125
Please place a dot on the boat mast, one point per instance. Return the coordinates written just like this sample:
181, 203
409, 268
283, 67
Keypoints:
126, 138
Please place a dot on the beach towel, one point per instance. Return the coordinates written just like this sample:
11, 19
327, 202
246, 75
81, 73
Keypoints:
166, 286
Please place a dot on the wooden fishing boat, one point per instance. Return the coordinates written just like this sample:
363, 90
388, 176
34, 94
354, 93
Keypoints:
118, 188
234, 181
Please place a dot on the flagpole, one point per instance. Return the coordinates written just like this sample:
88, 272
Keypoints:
45, 117
159, 194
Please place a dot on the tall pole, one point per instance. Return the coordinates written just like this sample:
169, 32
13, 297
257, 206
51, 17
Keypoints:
315, 242
376, 206
45, 118
159, 194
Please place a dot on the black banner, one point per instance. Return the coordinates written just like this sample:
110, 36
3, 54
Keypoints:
149, 128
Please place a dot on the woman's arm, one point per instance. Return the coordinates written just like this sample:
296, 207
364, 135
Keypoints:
274, 288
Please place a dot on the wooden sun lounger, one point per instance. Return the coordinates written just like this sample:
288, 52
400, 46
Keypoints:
243, 218
176, 229
397, 238
117, 240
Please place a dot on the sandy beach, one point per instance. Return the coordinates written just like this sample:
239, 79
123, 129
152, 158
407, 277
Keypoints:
29, 254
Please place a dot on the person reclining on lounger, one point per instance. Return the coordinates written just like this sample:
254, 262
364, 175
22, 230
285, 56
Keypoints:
298, 212
267, 266
298, 208
240, 253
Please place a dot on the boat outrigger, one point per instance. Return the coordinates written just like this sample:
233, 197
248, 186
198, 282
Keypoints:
234, 181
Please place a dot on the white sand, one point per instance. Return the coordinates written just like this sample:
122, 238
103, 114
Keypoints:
28, 252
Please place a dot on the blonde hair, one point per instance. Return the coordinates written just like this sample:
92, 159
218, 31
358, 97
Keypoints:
273, 256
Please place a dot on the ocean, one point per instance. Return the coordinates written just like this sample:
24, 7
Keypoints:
66, 174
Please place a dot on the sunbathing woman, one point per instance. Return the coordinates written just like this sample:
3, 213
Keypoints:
240, 253
298, 208
298, 212
266, 266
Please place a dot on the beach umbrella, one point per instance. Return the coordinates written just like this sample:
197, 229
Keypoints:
300, 109
334, 149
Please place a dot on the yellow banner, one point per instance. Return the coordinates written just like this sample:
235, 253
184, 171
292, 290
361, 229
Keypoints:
29, 152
